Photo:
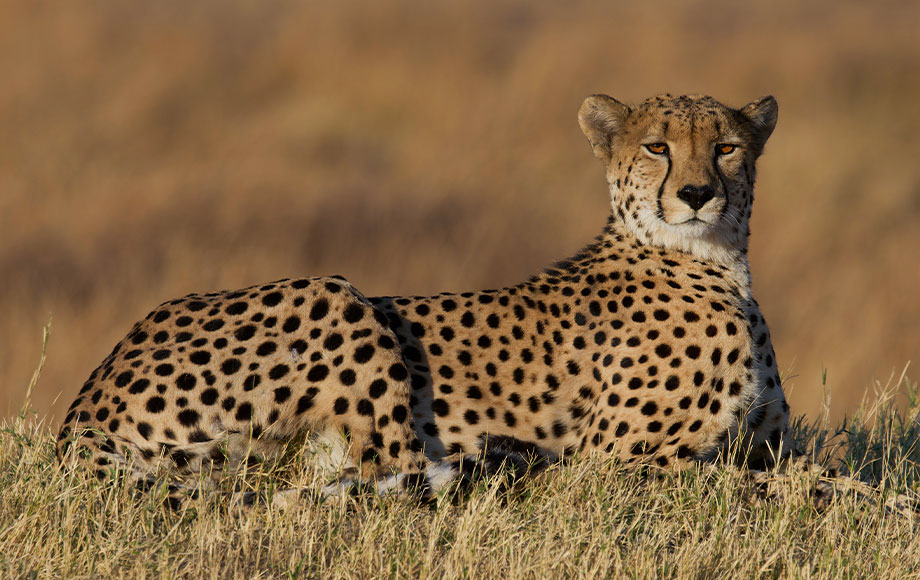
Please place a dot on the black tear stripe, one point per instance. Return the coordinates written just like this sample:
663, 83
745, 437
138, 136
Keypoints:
715, 163
661, 191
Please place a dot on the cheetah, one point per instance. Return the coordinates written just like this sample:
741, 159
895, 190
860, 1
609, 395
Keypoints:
646, 345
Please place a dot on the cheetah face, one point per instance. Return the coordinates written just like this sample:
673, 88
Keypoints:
681, 169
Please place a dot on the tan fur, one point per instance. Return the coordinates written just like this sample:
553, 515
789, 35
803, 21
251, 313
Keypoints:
647, 344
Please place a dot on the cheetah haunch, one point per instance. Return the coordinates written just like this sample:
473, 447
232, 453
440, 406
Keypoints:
646, 345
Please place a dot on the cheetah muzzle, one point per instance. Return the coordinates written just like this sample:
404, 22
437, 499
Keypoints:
646, 345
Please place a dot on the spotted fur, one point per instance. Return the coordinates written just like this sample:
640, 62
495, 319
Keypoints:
646, 345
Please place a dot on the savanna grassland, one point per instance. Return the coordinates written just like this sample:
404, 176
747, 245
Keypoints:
588, 518
149, 150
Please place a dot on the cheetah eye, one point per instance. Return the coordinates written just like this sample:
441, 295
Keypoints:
725, 149
657, 148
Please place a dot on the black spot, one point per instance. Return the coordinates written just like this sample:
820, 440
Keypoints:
155, 404
236, 308
353, 313
672, 383
245, 332
347, 377
703, 400
716, 356
365, 408
317, 373
139, 386
213, 325
278, 371
377, 388
266, 348
519, 311
340, 407
467, 319
188, 417
144, 429
400, 414
440, 407
649, 408
186, 381
272, 298
244, 412
291, 324
364, 353
252, 381
230, 366
123, 379
209, 397
622, 429
320, 309
282, 394
306, 402
398, 372
693, 351
200, 357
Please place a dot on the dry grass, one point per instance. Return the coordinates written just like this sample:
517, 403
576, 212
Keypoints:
153, 149
587, 519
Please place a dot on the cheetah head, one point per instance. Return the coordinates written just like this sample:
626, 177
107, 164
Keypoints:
681, 169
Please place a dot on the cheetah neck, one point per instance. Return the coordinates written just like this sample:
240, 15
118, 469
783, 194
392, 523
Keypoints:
619, 239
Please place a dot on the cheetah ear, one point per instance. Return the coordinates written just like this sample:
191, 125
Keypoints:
600, 117
762, 115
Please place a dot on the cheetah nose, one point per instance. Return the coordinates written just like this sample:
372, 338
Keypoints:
695, 197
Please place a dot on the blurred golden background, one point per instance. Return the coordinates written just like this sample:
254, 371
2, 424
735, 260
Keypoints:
149, 150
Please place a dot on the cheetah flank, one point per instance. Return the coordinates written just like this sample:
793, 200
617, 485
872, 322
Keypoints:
646, 345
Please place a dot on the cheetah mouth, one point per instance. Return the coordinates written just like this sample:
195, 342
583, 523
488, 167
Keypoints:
694, 221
